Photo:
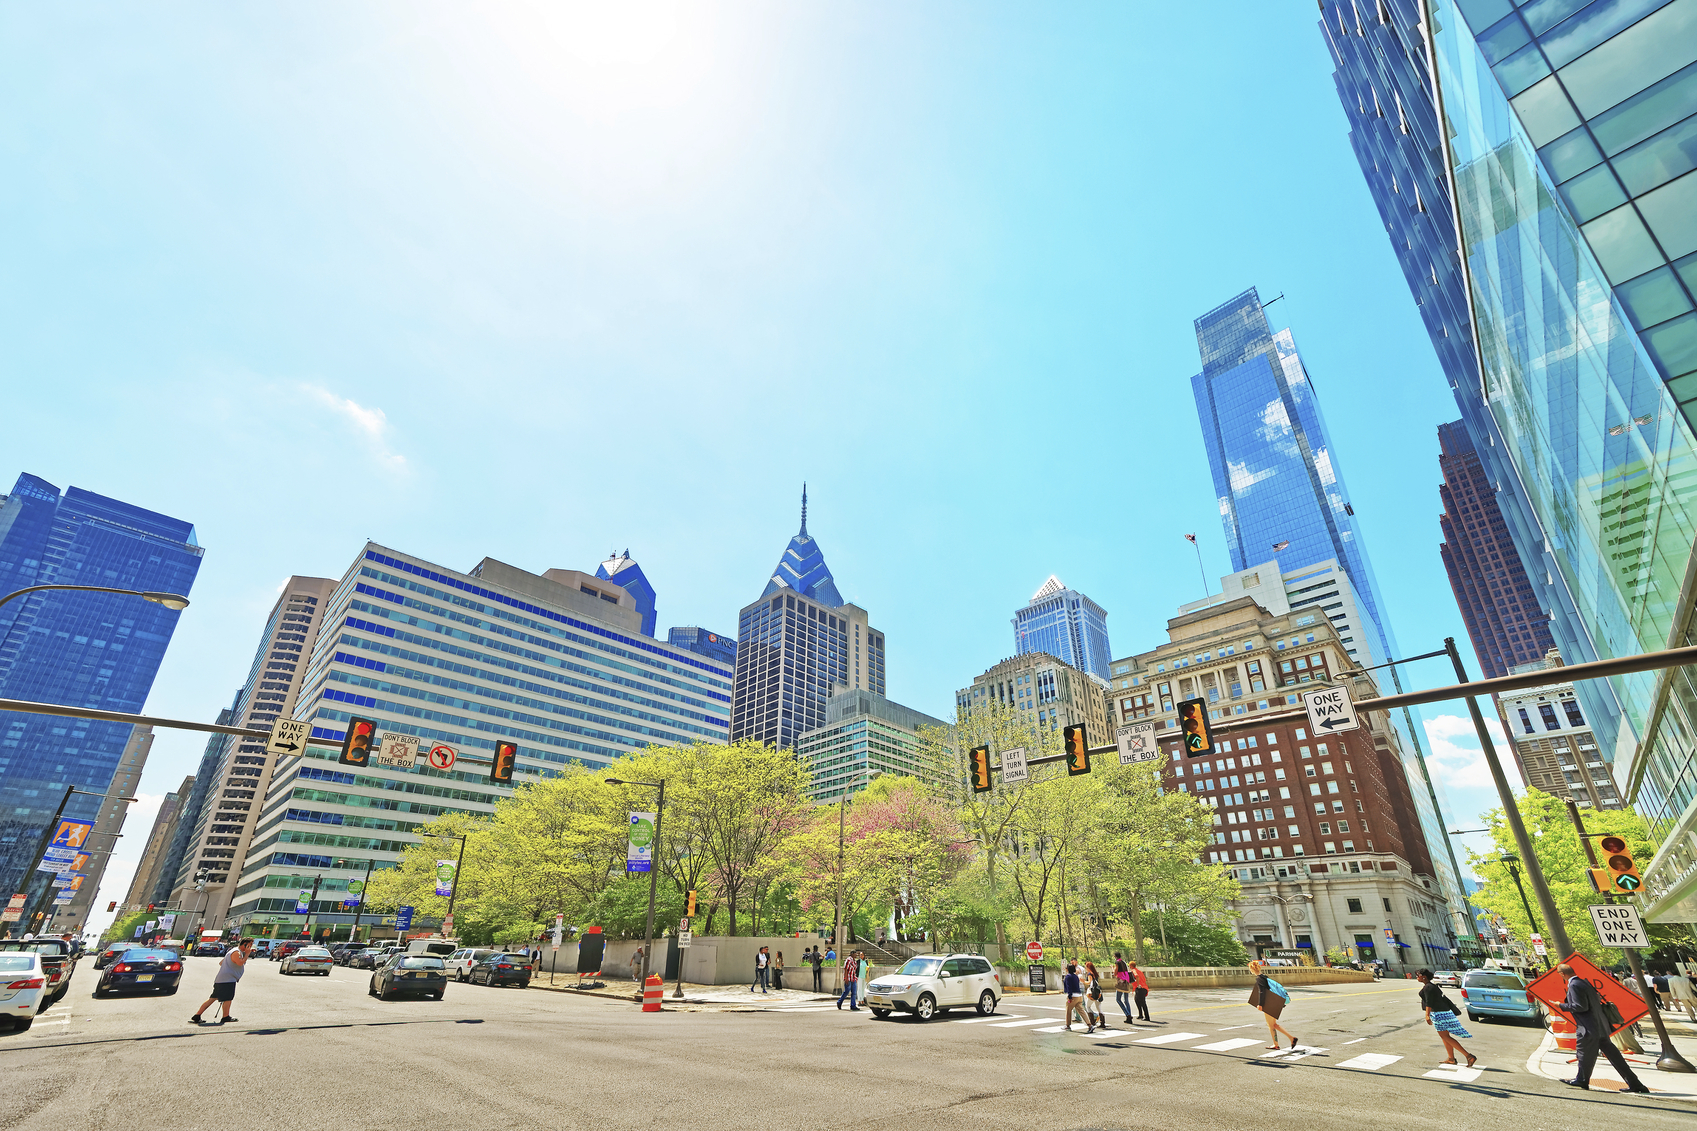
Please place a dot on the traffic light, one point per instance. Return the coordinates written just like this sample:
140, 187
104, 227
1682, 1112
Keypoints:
1619, 873
689, 906
150, 907
501, 767
356, 746
1077, 746
979, 757
1193, 721
113, 906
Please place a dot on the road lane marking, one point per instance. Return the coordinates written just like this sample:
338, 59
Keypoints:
1458, 1073
1168, 1038
992, 1017
1370, 1061
1020, 1024
1227, 1046
1229, 1028
1291, 1056
1056, 1029
1357, 1041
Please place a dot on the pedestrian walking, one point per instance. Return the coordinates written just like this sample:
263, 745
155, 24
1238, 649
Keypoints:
636, 965
778, 971
762, 970
1075, 994
851, 981
1585, 1005
230, 970
817, 961
1270, 998
1441, 1014
1093, 999
1140, 989
1683, 992
1122, 986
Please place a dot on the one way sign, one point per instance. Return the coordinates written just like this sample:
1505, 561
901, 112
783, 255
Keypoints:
1619, 925
287, 737
1330, 710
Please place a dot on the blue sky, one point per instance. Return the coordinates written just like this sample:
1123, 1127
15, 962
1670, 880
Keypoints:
541, 281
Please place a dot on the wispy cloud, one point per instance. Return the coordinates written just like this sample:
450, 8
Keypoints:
370, 421
1455, 756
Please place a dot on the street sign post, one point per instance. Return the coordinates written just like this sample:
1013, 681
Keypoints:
1538, 946
1330, 710
403, 919
1137, 743
397, 751
1036, 980
1618, 925
1013, 766
684, 938
288, 737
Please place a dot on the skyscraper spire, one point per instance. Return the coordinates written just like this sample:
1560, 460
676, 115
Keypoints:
804, 506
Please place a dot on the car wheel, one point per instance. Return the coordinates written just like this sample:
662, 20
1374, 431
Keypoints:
22, 1023
438, 994
880, 1014
987, 1003
385, 994
99, 991
372, 988
925, 1008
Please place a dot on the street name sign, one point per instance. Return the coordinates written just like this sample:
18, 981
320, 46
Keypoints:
1013, 766
288, 737
1330, 710
1137, 743
397, 751
1618, 924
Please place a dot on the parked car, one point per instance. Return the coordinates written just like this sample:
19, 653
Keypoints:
368, 959
283, 949
111, 951
461, 961
1446, 978
441, 948
261, 948
56, 960
141, 968
500, 969
930, 984
1497, 993
308, 960
208, 950
410, 974
23, 987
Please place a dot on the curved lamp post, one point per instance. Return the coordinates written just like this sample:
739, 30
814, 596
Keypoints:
173, 601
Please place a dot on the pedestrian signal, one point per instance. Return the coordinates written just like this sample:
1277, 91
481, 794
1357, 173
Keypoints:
501, 768
1193, 721
980, 772
356, 745
689, 906
1077, 746
1621, 869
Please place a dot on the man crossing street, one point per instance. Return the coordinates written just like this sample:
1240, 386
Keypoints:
1586, 1007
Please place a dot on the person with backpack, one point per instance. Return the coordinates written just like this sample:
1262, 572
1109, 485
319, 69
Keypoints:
1122, 986
1270, 998
816, 960
1441, 1014
1590, 1018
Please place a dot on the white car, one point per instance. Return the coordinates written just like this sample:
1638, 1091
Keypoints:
308, 960
23, 987
934, 983
460, 962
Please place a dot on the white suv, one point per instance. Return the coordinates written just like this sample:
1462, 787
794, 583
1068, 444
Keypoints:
933, 983
460, 962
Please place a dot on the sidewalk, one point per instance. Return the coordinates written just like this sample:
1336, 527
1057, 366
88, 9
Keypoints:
625, 990
1558, 1064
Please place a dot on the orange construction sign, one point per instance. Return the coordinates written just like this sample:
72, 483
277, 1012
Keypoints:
1551, 989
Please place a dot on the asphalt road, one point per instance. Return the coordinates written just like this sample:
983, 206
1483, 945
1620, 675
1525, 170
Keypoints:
318, 1051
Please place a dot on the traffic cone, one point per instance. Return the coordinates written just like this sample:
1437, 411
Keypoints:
1567, 1034
652, 991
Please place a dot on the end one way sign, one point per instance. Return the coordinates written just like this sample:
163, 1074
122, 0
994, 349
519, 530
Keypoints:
1619, 925
1330, 710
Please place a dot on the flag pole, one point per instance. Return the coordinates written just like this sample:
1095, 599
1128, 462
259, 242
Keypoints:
1199, 569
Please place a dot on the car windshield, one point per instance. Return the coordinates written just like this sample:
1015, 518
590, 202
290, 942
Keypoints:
1493, 982
39, 946
421, 962
922, 967
14, 963
147, 955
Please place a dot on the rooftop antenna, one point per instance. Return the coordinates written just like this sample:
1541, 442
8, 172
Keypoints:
804, 507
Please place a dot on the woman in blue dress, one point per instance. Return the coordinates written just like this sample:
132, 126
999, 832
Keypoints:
1441, 1015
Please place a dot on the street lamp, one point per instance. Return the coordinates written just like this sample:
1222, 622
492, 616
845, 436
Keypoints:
176, 602
1510, 860
842, 811
653, 872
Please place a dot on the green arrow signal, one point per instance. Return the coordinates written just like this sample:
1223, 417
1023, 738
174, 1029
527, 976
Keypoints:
1627, 883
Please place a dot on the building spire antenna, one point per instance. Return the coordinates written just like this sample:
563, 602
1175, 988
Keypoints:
804, 507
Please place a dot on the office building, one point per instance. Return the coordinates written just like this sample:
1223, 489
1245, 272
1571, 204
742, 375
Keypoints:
81, 649
798, 644
223, 825
157, 848
556, 662
864, 735
188, 816
1496, 597
1564, 161
703, 643
1049, 692
103, 838
1321, 831
1066, 624
623, 571
1553, 745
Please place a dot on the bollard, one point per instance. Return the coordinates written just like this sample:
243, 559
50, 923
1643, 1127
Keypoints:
652, 991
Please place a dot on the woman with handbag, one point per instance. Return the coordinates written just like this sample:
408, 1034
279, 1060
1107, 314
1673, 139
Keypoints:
1441, 1015
1122, 986
1270, 998
1093, 1018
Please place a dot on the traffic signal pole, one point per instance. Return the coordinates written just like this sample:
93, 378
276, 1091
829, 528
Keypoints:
1670, 1060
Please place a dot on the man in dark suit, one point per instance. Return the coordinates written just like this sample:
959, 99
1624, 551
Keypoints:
1585, 1005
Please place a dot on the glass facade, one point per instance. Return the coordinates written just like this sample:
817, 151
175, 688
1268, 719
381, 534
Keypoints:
710, 644
95, 650
622, 571
863, 734
1064, 623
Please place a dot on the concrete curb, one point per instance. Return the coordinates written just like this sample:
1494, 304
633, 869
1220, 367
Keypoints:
1551, 1063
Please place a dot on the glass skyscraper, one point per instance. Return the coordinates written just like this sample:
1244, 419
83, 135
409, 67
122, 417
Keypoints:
622, 570
1066, 624
1558, 210
99, 650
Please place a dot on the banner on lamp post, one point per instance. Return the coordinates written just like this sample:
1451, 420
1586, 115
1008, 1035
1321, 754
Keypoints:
444, 878
639, 855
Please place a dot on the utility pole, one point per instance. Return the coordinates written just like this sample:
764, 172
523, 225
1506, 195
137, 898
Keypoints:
306, 928
1514, 874
359, 908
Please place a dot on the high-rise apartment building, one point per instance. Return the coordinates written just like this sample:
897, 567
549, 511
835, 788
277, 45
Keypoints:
103, 838
799, 644
223, 826
1064, 623
622, 570
864, 735
1554, 746
81, 649
188, 815
1497, 599
1047, 690
1552, 236
158, 847
556, 662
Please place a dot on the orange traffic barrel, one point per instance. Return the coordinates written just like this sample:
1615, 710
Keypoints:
652, 991
1567, 1036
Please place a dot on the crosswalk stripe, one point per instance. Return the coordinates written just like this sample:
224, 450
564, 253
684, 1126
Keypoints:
1458, 1073
1357, 1041
806, 1009
1370, 1061
1227, 1046
1168, 1038
1056, 1029
992, 1017
1018, 1024
1291, 1056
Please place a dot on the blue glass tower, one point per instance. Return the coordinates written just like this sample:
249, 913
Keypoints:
95, 650
1064, 623
622, 571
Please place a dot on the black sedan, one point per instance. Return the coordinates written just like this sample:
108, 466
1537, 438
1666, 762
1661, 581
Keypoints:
410, 974
368, 959
140, 968
500, 970
111, 953
208, 950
